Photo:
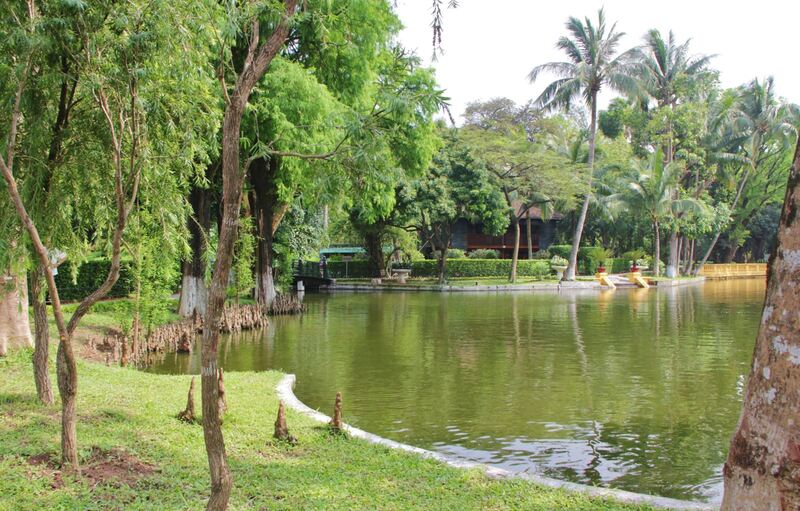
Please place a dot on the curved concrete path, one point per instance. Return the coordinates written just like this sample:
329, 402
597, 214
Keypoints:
285, 390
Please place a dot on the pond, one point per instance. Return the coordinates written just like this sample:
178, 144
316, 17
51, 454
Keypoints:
632, 389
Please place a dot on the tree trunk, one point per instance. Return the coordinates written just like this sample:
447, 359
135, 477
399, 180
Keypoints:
194, 294
672, 263
15, 328
515, 255
529, 233
377, 265
731, 253
572, 267
657, 250
41, 353
255, 66
761, 471
268, 213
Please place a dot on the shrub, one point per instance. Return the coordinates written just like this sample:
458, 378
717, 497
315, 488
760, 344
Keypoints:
89, 276
560, 250
484, 253
542, 254
482, 268
558, 261
455, 253
634, 255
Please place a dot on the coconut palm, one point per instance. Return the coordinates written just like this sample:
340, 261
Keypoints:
755, 126
664, 66
593, 63
652, 190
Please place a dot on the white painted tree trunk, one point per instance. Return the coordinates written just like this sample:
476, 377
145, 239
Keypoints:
194, 296
265, 287
15, 328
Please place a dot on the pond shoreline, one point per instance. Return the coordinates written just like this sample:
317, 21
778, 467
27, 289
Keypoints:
536, 286
285, 391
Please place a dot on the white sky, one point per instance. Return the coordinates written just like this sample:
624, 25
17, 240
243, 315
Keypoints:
491, 45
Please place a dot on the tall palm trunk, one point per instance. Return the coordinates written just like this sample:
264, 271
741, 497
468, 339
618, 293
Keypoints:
515, 255
657, 249
764, 457
571, 271
672, 264
529, 234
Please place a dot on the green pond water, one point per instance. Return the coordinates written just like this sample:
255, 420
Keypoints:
633, 389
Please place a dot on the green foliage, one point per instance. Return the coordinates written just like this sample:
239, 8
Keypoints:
75, 282
455, 268
483, 253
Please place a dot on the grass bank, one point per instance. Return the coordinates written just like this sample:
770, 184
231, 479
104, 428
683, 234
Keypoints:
136, 455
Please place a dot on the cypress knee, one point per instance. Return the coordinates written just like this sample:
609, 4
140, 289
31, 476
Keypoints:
188, 414
336, 422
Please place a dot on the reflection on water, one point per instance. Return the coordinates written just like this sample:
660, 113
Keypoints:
635, 389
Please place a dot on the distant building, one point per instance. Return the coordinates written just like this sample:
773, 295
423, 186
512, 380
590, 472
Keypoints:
468, 236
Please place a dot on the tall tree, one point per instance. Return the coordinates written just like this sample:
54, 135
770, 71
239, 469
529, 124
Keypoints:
666, 70
652, 191
764, 457
593, 63
758, 130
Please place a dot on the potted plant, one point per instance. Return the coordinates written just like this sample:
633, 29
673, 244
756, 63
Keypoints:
559, 265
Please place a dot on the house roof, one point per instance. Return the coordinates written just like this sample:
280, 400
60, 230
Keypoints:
535, 211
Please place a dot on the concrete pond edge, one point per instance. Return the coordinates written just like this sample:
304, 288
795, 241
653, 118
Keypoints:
581, 285
286, 394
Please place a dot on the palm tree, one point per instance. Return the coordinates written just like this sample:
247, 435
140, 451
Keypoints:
755, 125
664, 67
593, 63
653, 191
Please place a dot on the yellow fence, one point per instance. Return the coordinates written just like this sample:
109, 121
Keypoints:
734, 271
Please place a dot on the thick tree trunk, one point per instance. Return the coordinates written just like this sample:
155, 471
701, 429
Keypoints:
377, 264
572, 266
15, 328
194, 293
41, 353
672, 263
761, 472
264, 202
529, 233
515, 255
731, 253
657, 250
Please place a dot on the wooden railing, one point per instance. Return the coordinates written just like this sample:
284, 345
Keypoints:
734, 270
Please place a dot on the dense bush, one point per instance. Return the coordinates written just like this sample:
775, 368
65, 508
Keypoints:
455, 268
543, 254
354, 269
90, 276
560, 250
484, 253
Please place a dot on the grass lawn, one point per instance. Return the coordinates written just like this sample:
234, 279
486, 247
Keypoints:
137, 455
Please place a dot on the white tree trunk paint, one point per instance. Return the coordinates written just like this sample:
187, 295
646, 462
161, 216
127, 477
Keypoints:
15, 328
194, 296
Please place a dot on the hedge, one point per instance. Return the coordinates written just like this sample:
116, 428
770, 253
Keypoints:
90, 276
455, 268
587, 265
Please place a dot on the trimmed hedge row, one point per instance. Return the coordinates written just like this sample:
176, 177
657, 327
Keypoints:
455, 268
90, 276
587, 263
